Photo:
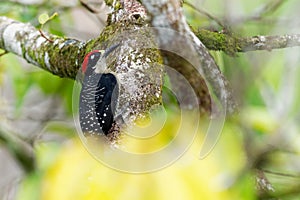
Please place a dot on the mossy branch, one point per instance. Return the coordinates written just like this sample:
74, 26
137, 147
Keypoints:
233, 44
58, 55
63, 56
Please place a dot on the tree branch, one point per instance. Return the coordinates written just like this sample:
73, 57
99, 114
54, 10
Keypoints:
233, 44
168, 14
21, 150
64, 56
61, 57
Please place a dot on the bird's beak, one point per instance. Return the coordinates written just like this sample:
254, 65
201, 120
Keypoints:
110, 49
100, 67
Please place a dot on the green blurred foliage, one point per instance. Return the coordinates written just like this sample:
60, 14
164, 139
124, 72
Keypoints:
24, 81
266, 84
76, 175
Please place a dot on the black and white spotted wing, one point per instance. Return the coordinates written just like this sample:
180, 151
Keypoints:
98, 100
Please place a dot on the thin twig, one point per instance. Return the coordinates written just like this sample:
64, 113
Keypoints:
88, 7
44, 36
259, 13
280, 173
267, 8
207, 14
21, 150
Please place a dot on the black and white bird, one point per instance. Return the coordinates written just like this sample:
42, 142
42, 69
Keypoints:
98, 95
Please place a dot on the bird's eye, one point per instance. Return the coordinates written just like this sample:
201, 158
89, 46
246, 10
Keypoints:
94, 58
91, 60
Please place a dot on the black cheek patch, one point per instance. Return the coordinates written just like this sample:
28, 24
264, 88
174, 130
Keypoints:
93, 59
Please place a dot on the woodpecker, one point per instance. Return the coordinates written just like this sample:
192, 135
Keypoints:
98, 95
